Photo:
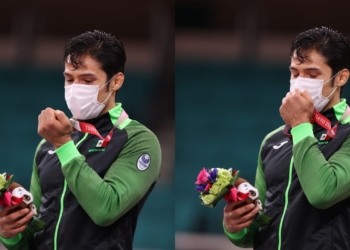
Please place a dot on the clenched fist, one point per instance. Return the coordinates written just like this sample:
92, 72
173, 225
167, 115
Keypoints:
54, 127
297, 108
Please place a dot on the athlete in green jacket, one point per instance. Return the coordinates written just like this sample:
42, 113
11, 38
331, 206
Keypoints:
303, 173
89, 184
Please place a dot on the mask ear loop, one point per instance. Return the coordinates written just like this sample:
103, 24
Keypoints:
110, 92
332, 77
334, 88
106, 83
332, 92
107, 97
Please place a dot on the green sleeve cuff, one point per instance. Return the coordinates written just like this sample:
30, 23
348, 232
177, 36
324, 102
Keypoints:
236, 236
11, 241
67, 152
302, 131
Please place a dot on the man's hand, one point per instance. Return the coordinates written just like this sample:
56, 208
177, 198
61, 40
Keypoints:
297, 108
54, 127
13, 223
238, 217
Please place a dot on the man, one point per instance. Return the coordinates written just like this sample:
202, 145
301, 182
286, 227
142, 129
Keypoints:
89, 184
303, 173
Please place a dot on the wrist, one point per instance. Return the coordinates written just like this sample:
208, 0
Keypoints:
228, 228
11, 240
297, 123
237, 235
6, 237
61, 142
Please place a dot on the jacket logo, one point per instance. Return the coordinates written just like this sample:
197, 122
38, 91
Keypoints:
278, 146
143, 162
323, 140
323, 137
97, 146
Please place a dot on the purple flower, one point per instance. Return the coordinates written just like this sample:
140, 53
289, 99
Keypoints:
201, 187
212, 175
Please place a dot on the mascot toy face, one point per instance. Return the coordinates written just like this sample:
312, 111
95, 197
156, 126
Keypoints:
28, 199
21, 192
245, 187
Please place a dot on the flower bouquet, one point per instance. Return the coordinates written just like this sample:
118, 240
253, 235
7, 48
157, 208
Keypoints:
12, 193
218, 183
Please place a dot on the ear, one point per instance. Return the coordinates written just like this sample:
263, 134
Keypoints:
342, 78
117, 82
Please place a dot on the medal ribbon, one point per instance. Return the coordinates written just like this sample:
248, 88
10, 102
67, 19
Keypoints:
323, 122
90, 129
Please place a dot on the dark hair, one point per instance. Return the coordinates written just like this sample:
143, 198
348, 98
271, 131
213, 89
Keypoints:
102, 47
331, 44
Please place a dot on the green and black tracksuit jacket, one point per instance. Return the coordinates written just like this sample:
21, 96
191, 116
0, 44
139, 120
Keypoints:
304, 183
90, 197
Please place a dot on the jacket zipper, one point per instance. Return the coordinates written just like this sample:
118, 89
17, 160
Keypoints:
62, 200
285, 203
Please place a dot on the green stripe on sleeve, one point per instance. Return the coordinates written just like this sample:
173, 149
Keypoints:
236, 236
302, 131
12, 241
67, 152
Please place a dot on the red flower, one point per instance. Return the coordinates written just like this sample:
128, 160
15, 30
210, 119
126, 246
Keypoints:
5, 200
208, 186
231, 195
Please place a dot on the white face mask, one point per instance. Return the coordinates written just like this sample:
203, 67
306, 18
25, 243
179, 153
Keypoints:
82, 100
314, 86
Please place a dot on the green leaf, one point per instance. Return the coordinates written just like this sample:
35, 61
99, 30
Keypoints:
36, 224
234, 178
9, 181
262, 219
209, 205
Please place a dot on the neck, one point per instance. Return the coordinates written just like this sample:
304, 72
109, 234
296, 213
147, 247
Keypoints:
332, 102
109, 105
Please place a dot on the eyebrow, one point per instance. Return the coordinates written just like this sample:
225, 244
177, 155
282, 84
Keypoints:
307, 69
85, 74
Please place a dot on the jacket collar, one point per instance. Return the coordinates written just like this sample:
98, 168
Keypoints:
340, 108
333, 114
108, 119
